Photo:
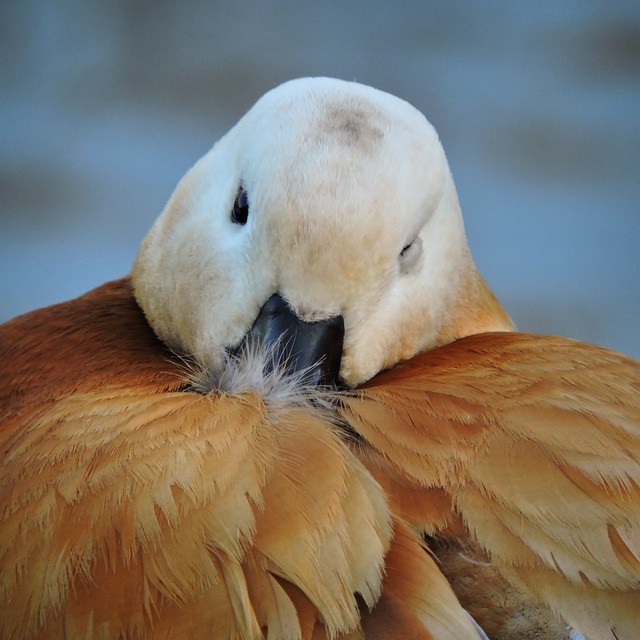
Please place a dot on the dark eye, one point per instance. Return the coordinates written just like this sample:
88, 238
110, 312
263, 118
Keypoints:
240, 211
410, 255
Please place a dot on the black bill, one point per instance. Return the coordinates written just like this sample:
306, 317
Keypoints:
311, 348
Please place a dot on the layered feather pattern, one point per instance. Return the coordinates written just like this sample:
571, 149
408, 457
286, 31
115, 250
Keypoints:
141, 510
535, 442
132, 507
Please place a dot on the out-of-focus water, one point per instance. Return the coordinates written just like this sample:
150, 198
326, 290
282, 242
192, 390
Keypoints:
106, 104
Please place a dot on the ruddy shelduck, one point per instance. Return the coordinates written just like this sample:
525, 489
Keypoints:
304, 384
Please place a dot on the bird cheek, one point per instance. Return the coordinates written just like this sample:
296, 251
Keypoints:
384, 340
360, 362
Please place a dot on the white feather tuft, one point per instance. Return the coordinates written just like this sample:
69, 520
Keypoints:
258, 369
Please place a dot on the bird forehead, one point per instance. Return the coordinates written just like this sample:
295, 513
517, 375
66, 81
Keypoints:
332, 112
352, 123
340, 165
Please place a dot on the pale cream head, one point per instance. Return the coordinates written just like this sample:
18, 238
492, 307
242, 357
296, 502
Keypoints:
352, 211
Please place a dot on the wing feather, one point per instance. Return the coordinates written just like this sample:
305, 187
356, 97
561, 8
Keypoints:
130, 506
537, 442
188, 502
417, 602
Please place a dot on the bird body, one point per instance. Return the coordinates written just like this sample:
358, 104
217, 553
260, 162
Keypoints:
135, 507
168, 470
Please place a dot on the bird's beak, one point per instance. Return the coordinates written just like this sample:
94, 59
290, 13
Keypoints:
313, 349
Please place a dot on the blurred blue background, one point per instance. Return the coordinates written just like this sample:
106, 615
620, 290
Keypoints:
106, 104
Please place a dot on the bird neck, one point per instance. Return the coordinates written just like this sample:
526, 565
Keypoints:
476, 309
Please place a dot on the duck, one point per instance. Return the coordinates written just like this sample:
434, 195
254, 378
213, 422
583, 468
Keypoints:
304, 414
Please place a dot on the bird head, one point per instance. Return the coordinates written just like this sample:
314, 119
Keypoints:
328, 212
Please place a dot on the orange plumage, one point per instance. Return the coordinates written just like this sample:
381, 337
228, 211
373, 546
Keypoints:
131, 505
534, 443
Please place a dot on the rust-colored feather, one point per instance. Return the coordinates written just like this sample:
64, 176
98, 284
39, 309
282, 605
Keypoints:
536, 441
416, 602
130, 506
